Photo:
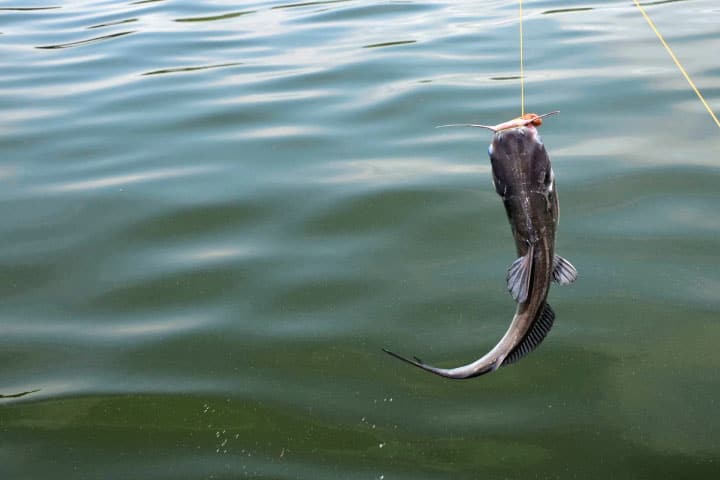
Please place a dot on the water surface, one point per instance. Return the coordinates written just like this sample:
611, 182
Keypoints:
215, 214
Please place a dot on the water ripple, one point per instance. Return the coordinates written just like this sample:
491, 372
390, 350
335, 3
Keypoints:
28, 9
87, 41
309, 4
122, 329
390, 44
215, 222
394, 171
112, 24
213, 18
191, 69
567, 10
123, 180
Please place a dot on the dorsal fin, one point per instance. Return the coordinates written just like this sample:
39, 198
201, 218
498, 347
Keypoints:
534, 337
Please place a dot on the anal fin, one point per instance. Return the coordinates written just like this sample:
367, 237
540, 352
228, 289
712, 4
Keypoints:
563, 271
518, 276
534, 337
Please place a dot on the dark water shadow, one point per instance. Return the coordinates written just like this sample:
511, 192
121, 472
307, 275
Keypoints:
567, 10
660, 2
510, 77
213, 18
190, 69
390, 44
308, 4
18, 395
85, 42
110, 24
27, 9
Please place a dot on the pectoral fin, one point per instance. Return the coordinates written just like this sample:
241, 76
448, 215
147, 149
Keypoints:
534, 337
518, 276
563, 271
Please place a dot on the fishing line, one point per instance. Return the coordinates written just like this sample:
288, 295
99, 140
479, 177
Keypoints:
522, 66
672, 55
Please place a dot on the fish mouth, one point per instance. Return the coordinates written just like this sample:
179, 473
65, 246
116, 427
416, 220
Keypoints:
527, 133
512, 141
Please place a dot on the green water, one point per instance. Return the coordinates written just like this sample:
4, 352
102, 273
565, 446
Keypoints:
215, 214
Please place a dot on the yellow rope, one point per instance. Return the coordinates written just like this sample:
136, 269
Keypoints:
675, 59
522, 67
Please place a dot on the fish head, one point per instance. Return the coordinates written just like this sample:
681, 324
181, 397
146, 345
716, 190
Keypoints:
520, 162
524, 179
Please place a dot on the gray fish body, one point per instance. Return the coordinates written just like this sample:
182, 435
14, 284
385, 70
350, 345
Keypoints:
524, 179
